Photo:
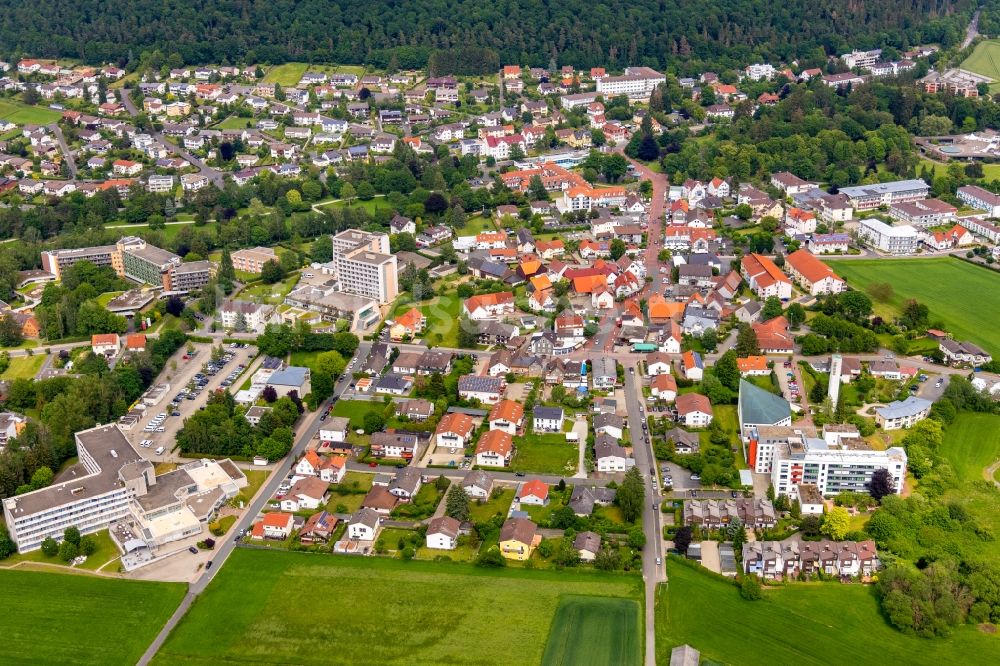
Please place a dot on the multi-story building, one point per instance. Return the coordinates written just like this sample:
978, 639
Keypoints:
869, 197
56, 261
861, 59
812, 274
924, 213
979, 198
637, 83
254, 315
901, 239
765, 278
113, 485
362, 265
252, 260
902, 413
794, 456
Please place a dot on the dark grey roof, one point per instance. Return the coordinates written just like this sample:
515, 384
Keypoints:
547, 412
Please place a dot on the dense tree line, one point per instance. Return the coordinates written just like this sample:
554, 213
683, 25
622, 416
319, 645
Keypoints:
220, 429
472, 35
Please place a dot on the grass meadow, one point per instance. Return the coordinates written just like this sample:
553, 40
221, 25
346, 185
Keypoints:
595, 631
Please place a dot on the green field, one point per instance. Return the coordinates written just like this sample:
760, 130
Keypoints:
442, 314
990, 171
477, 224
545, 454
288, 74
594, 631
21, 114
23, 367
234, 122
81, 619
965, 297
356, 410
985, 59
106, 553
271, 293
972, 443
803, 623
376, 611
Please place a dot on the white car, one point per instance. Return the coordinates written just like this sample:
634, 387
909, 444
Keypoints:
159, 451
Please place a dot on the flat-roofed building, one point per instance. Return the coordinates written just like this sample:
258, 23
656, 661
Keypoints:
252, 260
868, 197
363, 265
901, 239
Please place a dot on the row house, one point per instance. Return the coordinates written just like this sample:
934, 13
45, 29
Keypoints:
776, 560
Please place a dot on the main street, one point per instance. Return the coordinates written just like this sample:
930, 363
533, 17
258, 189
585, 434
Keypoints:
225, 546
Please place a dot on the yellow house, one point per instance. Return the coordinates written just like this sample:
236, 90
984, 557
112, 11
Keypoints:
408, 325
518, 538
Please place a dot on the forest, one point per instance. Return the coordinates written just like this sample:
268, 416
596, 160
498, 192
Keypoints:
385, 33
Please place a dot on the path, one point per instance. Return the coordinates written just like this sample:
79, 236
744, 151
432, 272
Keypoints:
973, 30
989, 473
581, 430
67, 155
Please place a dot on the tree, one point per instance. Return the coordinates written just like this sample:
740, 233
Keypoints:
457, 503
174, 306
88, 546
269, 394
915, 315
617, 248
636, 538
491, 558
631, 495
746, 342
373, 422
72, 534
227, 273
881, 484
10, 331
271, 272
648, 149
50, 547
772, 308
613, 167
727, 371
796, 315
855, 305
710, 339
682, 538
750, 588
536, 189
68, 551
347, 192
468, 333
607, 559
41, 478
836, 523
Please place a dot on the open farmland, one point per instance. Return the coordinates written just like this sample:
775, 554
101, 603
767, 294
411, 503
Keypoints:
80, 619
964, 297
803, 623
253, 611
594, 631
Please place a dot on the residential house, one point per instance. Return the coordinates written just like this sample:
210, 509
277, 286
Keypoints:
694, 410
494, 449
585, 498
610, 456
693, 366
812, 274
274, 525
305, 494
442, 533
547, 419
486, 390
454, 431
507, 416
318, 528
534, 492
406, 484
477, 484
663, 387
587, 545
518, 539
363, 525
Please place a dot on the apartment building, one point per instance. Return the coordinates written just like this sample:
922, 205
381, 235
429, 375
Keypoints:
813, 275
861, 59
902, 413
252, 260
56, 261
765, 278
924, 213
901, 239
637, 83
362, 265
980, 198
869, 197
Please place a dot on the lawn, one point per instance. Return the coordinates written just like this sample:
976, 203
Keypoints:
254, 605
371, 205
965, 297
23, 367
985, 59
21, 114
594, 631
76, 619
287, 75
803, 623
545, 454
234, 122
255, 479
349, 493
106, 552
442, 314
271, 293
475, 225
356, 410
972, 443
480, 513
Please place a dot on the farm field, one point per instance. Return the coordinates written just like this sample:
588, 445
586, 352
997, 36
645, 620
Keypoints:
21, 114
287, 74
972, 443
81, 619
965, 297
23, 367
594, 631
255, 603
803, 623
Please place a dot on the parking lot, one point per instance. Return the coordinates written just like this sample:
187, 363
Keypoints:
155, 434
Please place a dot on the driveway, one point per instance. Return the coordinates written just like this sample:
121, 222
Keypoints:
710, 556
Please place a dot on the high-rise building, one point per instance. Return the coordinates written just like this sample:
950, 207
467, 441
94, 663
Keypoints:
362, 265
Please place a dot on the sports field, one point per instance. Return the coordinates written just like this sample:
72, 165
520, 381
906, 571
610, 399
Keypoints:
803, 623
59, 618
972, 443
594, 631
964, 297
301, 608
985, 59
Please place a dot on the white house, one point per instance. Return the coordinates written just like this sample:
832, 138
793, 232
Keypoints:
547, 419
307, 493
442, 533
364, 525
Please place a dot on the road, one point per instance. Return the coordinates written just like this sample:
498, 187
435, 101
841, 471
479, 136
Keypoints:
67, 155
213, 175
973, 30
225, 547
653, 571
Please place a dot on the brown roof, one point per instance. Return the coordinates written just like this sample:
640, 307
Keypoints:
444, 525
521, 530
692, 402
460, 424
379, 498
